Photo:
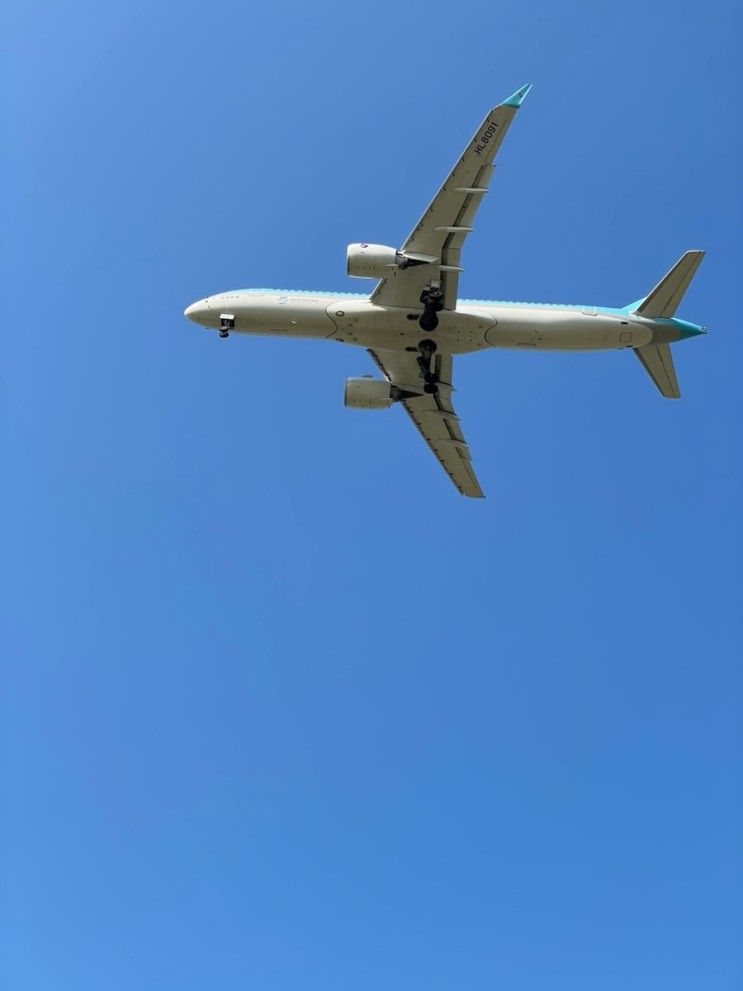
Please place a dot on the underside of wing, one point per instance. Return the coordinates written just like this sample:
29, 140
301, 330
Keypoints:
442, 230
433, 414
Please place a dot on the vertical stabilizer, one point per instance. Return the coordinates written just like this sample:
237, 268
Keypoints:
663, 301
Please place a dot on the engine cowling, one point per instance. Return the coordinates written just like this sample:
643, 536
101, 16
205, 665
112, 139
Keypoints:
372, 261
368, 393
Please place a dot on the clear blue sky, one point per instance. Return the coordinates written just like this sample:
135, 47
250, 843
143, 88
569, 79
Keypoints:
280, 710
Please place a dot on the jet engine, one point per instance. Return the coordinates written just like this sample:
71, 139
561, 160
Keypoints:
375, 261
372, 261
368, 393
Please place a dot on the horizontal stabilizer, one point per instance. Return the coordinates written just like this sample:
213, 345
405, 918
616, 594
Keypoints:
658, 363
665, 298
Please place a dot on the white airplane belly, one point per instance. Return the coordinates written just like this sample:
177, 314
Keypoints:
373, 326
565, 330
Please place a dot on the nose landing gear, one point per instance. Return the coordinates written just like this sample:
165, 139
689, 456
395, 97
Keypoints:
226, 324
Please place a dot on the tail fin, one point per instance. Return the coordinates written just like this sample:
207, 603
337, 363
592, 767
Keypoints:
662, 303
658, 363
665, 298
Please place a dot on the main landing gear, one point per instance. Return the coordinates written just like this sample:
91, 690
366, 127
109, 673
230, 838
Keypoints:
226, 324
427, 350
433, 301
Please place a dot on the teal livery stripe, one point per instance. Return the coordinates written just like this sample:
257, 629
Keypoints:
475, 302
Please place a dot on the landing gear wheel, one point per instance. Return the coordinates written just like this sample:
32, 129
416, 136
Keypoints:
433, 301
430, 388
224, 333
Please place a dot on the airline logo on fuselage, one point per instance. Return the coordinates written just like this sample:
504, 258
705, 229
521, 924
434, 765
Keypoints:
486, 137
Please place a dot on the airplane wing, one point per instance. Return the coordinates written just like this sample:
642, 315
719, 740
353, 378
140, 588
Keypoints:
444, 226
433, 415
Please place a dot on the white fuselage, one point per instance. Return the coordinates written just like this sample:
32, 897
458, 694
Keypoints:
354, 319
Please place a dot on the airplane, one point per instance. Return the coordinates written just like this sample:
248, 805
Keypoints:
413, 324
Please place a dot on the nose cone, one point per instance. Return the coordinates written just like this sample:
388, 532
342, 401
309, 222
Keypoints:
197, 311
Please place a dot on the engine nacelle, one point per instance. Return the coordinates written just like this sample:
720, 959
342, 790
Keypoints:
368, 393
372, 261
